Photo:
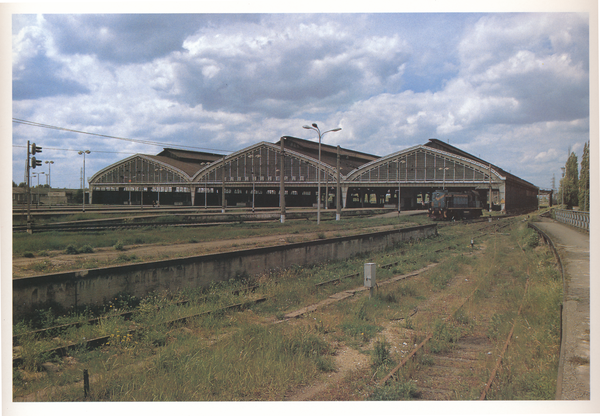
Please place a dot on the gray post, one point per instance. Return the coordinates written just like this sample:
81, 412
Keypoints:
338, 213
281, 183
223, 203
370, 280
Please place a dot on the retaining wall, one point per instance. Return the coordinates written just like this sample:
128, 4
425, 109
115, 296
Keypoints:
95, 286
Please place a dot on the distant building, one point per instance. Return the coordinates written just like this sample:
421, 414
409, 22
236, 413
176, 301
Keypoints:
179, 177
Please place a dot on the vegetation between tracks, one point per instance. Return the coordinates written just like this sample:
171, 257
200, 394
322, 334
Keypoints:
44, 246
257, 360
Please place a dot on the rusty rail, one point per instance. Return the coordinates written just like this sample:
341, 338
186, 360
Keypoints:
99, 341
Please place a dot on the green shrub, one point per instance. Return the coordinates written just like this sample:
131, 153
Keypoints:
28, 254
119, 246
402, 390
71, 249
86, 249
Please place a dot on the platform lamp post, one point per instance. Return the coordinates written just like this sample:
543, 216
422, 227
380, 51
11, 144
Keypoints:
49, 163
159, 170
83, 152
316, 128
444, 179
252, 156
37, 200
399, 200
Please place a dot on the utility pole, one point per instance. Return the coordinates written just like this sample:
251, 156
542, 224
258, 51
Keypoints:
28, 193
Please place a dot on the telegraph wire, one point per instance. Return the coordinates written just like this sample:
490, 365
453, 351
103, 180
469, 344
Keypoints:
148, 142
76, 150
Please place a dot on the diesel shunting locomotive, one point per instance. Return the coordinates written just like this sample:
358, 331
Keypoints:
447, 205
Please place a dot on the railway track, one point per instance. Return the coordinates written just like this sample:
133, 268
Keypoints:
459, 361
191, 219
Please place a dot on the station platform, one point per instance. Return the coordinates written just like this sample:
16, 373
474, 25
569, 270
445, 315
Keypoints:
573, 247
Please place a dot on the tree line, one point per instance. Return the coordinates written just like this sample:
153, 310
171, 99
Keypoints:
575, 184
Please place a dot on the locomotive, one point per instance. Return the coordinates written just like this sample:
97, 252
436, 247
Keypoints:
447, 205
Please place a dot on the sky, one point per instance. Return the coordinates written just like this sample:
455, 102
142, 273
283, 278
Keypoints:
511, 88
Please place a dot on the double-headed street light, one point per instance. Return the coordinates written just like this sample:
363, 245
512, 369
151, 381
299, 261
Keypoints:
83, 152
316, 128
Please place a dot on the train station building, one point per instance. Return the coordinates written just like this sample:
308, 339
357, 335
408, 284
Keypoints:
252, 177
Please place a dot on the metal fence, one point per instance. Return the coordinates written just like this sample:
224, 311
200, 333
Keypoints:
579, 219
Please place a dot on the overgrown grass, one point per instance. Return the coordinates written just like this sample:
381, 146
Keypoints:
230, 356
23, 242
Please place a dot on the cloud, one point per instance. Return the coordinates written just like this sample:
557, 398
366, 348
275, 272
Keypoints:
35, 75
281, 72
130, 38
41, 78
512, 88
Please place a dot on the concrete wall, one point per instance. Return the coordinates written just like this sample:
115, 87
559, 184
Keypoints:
95, 286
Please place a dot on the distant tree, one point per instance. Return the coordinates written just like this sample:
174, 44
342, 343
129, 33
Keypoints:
23, 185
584, 180
14, 184
569, 186
78, 196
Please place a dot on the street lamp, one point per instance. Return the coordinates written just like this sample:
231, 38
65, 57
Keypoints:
49, 163
252, 156
316, 128
562, 190
399, 201
159, 170
83, 152
37, 202
444, 180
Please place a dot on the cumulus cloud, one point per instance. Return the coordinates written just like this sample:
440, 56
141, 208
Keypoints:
511, 88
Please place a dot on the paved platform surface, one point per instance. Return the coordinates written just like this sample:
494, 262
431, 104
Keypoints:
573, 247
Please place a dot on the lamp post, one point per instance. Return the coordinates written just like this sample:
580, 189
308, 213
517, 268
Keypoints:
157, 170
562, 190
444, 180
252, 156
321, 134
49, 163
399, 200
37, 200
83, 152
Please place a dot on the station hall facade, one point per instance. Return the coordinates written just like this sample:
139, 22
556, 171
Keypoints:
252, 177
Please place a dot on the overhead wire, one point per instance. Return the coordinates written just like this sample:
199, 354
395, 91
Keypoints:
147, 142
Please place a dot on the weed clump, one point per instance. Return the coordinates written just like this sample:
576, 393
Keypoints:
403, 390
381, 353
444, 338
71, 249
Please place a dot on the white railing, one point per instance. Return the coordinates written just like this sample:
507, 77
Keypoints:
579, 219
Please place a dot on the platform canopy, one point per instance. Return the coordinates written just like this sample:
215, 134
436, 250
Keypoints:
423, 165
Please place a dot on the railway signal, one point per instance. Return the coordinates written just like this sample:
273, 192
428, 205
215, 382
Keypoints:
35, 149
35, 162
